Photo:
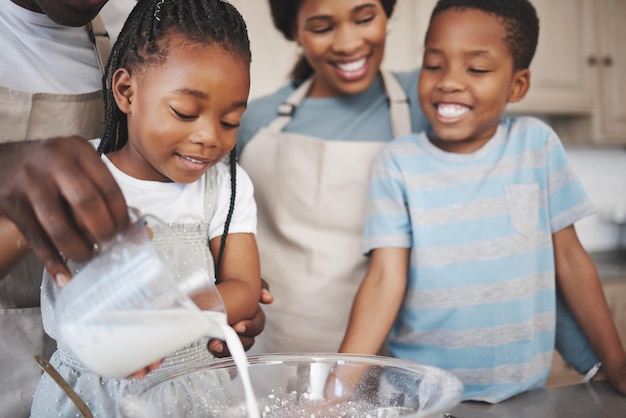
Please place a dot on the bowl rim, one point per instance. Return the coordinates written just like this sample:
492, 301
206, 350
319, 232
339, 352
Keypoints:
453, 385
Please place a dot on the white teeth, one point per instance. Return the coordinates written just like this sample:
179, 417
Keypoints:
192, 160
452, 110
352, 66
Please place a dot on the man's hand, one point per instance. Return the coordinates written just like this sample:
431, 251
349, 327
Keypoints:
62, 198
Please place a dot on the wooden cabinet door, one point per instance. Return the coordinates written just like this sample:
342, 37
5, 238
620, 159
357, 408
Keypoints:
563, 69
611, 112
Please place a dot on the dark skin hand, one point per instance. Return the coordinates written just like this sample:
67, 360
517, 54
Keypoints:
247, 329
65, 12
62, 198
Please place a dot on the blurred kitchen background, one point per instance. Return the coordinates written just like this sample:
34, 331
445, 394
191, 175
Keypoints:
578, 85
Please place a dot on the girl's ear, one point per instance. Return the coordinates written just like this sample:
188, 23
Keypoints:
519, 85
121, 84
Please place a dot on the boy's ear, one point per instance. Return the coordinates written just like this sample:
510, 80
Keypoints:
520, 85
121, 84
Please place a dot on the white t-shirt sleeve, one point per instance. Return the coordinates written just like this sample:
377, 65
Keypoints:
244, 215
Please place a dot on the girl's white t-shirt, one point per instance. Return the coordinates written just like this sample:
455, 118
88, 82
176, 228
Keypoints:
184, 203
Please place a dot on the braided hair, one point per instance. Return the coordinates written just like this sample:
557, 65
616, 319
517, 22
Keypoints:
144, 41
284, 15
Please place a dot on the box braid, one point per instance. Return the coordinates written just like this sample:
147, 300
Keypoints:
144, 41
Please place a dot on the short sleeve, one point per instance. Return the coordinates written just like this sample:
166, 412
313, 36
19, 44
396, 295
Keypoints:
387, 222
244, 218
567, 200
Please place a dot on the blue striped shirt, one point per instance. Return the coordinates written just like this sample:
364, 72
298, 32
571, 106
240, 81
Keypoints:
480, 296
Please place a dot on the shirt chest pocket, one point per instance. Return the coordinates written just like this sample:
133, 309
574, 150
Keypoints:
523, 205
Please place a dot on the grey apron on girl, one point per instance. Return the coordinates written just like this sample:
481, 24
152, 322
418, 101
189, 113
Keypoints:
311, 196
36, 116
104, 394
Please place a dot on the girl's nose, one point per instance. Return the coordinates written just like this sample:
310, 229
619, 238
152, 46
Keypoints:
206, 135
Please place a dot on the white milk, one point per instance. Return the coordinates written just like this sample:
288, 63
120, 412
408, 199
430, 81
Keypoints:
117, 344
241, 361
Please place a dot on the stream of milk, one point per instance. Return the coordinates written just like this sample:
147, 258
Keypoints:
117, 344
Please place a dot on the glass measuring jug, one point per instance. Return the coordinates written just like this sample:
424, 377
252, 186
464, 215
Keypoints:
134, 302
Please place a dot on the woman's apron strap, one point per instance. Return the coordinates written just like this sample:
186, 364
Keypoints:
288, 108
398, 106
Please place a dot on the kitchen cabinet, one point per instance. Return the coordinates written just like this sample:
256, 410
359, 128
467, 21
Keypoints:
610, 114
578, 75
562, 79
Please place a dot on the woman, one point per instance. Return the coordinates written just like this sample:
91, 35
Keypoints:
308, 149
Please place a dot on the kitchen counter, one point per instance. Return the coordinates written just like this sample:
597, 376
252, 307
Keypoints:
584, 400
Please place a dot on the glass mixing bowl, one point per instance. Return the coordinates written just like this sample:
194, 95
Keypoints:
299, 385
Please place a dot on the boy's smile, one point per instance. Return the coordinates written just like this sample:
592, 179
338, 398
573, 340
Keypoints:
467, 78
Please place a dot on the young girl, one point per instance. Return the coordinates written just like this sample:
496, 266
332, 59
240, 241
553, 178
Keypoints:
176, 86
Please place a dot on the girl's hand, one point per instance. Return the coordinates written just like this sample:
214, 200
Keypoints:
140, 374
247, 329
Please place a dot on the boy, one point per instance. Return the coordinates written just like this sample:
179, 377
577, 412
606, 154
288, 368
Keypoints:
480, 213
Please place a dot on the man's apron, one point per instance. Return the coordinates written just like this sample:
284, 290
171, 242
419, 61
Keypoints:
37, 116
311, 198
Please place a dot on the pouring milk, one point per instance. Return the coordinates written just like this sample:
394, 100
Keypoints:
131, 306
119, 343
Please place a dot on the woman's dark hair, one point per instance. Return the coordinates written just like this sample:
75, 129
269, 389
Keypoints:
284, 14
145, 40
520, 20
